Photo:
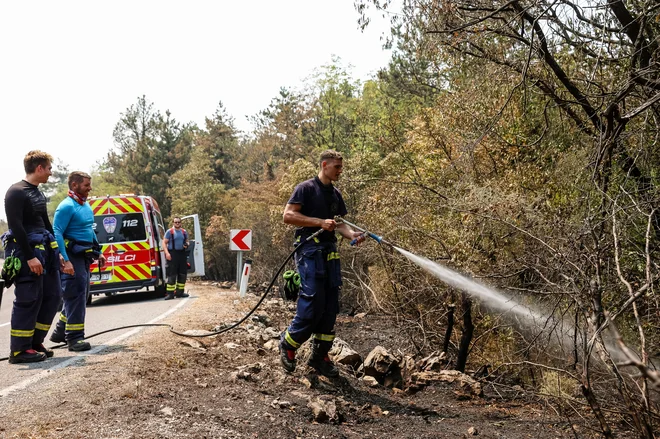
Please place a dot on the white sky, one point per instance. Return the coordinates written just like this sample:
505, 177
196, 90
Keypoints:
69, 68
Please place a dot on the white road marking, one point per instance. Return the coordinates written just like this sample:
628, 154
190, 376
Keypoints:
43, 374
5, 324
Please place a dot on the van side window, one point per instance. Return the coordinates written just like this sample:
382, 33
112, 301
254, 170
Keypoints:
161, 232
160, 226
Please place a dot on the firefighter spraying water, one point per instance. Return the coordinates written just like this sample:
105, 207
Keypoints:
313, 207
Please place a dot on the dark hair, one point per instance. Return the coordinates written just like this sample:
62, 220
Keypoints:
77, 177
330, 154
35, 158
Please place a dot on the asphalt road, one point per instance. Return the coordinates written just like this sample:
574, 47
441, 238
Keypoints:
104, 313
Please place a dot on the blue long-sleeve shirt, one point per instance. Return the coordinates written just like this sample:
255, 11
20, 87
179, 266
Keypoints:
73, 221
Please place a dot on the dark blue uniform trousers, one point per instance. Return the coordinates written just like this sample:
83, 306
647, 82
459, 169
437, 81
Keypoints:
318, 302
36, 297
74, 293
35, 305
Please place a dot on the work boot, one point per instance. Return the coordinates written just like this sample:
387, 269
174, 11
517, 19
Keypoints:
324, 366
288, 358
28, 356
43, 349
320, 361
183, 294
55, 337
169, 297
80, 345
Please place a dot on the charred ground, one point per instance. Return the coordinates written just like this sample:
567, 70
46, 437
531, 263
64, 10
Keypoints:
159, 385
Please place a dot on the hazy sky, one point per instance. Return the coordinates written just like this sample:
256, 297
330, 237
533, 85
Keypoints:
69, 68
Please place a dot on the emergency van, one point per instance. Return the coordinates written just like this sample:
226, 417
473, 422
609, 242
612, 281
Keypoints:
130, 230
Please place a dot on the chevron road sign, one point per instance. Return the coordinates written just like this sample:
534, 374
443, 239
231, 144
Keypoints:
240, 239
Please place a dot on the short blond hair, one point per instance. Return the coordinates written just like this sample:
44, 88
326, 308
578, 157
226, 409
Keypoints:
77, 177
330, 154
35, 158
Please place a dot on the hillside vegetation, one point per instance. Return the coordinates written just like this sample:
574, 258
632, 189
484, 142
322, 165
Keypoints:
516, 142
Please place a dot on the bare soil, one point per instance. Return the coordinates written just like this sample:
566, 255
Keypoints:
160, 385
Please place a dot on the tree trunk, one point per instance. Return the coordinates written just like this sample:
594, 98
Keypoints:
466, 337
450, 327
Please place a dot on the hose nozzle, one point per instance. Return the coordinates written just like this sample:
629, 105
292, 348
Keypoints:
379, 239
365, 232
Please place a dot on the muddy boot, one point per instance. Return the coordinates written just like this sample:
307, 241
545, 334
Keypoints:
28, 356
169, 297
287, 358
320, 360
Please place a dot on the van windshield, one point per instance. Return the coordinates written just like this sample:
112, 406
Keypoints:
120, 227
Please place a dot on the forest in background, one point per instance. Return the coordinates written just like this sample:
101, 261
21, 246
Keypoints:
513, 141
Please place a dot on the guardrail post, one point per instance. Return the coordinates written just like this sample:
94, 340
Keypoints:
245, 277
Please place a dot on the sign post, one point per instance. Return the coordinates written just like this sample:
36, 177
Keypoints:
240, 240
239, 265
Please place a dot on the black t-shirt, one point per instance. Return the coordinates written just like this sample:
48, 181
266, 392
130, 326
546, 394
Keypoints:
317, 201
25, 207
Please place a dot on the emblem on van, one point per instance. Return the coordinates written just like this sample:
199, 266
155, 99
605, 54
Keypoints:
110, 224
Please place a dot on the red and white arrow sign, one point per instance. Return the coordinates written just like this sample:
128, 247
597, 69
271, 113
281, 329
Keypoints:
240, 239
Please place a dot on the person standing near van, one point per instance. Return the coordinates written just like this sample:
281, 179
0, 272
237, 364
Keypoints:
175, 244
30, 239
73, 225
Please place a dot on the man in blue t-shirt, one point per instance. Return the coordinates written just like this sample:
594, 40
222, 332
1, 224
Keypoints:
79, 247
313, 206
175, 244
